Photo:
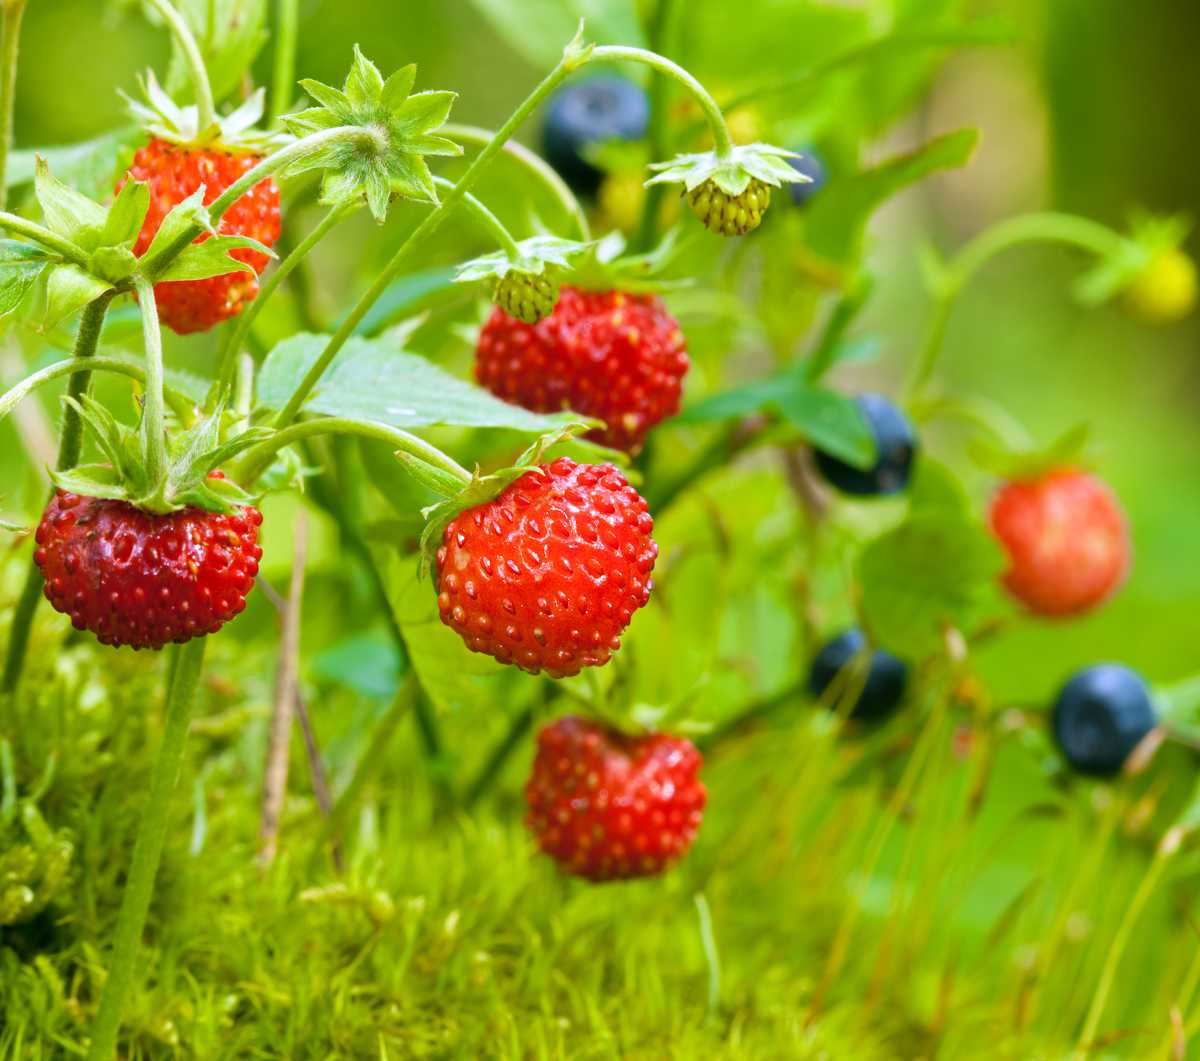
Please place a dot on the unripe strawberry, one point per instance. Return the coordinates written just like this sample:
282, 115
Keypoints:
527, 297
730, 215
548, 574
606, 806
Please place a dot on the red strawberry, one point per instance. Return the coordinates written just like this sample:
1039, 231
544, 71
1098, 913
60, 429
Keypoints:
607, 806
1066, 540
174, 173
135, 578
548, 574
618, 357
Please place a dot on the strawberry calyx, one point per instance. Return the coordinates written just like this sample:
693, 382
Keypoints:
189, 478
1021, 464
526, 286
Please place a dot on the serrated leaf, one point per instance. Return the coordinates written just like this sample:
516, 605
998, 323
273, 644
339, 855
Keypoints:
373, 381
930, 572
68, 213
184, 217
20, 267
212, 257
68, 290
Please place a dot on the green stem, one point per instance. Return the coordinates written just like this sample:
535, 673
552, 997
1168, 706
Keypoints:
147, 851
14, 11
659, 33
488, 221
22, 227
11, 398
535, 164
287, 21
1029, 228
824, 356
1167, 847
154, 421
257, 458
69, 445
243, 324
206, 111
712, 113
426, 229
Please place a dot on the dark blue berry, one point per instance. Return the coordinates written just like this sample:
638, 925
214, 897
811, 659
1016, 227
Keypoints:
808, 164
606, 107
895, 447
886, 678
1100, 716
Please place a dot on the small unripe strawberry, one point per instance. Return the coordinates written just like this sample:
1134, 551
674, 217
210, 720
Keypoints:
730, 215
548, 574
136, 578
606, 806
1066, 540
1165, 291
527, 297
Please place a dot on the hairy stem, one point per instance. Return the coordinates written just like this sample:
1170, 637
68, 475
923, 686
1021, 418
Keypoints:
69, 445
22, 227
206, 110
287, 19
237, 337
14, 11
147, 851
154, 426
536, 166
487, 221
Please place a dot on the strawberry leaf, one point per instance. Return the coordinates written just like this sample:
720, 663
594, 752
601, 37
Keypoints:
211, 257
20, 267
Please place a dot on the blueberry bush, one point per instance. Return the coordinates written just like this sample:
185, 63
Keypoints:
610, 584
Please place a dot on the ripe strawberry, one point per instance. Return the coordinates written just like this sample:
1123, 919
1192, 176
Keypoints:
548, 574
607, 806
175, 172
1066, 540
136, 578
616, 356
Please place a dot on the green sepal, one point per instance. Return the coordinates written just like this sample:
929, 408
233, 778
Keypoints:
402, 125
192, 455
163, 119
68, 213
481, 489
733, 173
537, 254
606, 266
1016, 465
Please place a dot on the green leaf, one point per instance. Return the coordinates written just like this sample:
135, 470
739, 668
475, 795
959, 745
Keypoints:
68, 213
20, 267
126, 214
89, 165
68, 290
368, 664
211, 257
184, 216
373, 381
405, 295
538, 29
931, 571
823, 418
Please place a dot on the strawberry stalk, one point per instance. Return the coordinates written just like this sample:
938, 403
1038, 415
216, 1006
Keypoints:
186, 663
206, 110
951, 278
14, 11
69, 445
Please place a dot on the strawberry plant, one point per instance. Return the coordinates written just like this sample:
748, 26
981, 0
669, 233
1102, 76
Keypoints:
619, 470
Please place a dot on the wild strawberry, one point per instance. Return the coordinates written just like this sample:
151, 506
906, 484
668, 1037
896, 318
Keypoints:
549, 573
136, 578
618, 357
528, 297
730, 215
1066, 540
607, 806
174, 172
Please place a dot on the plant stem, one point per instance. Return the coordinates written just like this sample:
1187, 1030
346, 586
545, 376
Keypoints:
14, 11
1029, 228
50, 373
69, 445
206, 110
659, 32
287, 19
848, 306
488, 221
244, 322
147, 851
257, 458
1167, 847
491, 768
712, 113
23, 227
535, 164
154, 426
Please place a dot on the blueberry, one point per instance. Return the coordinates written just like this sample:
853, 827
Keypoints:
1100, 716
886, 679
895, 447
809, 164
607, 107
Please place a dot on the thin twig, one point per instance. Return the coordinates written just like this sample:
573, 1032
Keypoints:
316, 771
276, 771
